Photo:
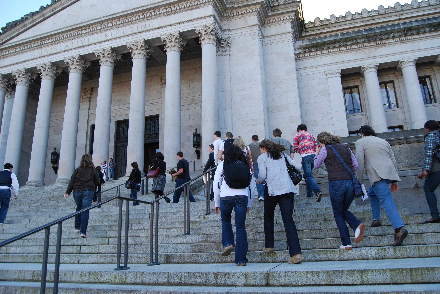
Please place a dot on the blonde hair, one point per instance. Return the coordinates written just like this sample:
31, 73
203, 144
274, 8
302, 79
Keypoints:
240, 142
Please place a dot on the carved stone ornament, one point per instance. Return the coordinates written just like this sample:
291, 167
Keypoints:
369, 68
76, 64
224, 45
398, 6
207, 34
107, 57
10, 93
406, 63
381, 9
173, 42
139, 49
415, 3
22, 77
3, 83
48, 71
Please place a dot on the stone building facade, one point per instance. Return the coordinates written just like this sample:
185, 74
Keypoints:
123, 79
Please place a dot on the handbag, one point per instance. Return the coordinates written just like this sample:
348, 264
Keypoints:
129, 184
153, 173
356, 185
294, 174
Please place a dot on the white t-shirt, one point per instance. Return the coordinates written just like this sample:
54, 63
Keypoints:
217, 146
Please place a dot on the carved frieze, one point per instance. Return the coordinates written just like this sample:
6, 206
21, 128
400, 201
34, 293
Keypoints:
22, 77
76, 64
139, 49
107, 57
48, 71
173, 42
208, 34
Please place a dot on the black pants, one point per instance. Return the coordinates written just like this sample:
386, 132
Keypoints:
286, 206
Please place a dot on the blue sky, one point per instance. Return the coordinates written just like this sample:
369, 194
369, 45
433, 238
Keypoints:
12, 10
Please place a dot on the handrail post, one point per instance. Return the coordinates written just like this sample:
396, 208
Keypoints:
146, 186
151, 233
99, 198
188, 214
142, 186
127, 227
118, 254
156, 236
44, 266
185, 189
207, 193
56, 275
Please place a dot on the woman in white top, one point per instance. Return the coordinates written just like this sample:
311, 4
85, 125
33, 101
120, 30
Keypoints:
226, 199
280, 189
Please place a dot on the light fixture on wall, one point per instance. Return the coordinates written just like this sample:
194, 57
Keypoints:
196, 143
54, 159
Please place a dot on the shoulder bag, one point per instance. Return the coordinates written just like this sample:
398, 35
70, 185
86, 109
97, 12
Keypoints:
153, 173
294, 174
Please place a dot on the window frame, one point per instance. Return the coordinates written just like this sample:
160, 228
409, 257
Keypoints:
387, 92
351, 93
433, 99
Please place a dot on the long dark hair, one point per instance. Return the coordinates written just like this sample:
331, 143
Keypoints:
234, 153
134, 164
273, 149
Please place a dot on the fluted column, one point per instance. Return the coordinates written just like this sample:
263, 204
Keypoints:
3, 87
41, 132
70, 123
136, 120
338, 111
107, 58
376, 113
209, 86
15, 136
173, 45
6, 122
413, 94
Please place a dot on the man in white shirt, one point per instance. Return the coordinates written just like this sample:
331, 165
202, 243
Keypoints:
218, 142
8, 181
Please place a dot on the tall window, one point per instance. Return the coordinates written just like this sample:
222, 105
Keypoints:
388, 95
352, 100
426, 88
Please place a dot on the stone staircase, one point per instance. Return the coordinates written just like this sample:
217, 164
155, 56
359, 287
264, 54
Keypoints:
193, 264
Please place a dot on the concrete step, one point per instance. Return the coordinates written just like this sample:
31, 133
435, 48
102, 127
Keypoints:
328, 273
72, 288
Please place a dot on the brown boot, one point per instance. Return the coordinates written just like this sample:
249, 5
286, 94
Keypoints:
296, 259
398, 237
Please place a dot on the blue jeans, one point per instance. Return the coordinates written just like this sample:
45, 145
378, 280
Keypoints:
260, 187
286, 206
177, 193
341, 197
239, 204
5, 197
308, 163
111, 172
431, 183
134, 193
380, 196
83, 199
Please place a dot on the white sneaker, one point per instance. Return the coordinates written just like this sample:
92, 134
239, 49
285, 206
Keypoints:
261, 199
359, 233
346, 247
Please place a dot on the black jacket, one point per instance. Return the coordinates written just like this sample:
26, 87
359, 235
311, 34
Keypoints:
83, 179
135, 176
210, 163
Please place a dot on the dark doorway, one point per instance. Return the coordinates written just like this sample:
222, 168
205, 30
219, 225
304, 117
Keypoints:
151, 144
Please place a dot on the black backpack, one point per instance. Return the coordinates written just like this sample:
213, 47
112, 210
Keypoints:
237, 174
228, 143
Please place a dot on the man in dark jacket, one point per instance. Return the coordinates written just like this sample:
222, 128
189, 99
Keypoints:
210, 164
182, 178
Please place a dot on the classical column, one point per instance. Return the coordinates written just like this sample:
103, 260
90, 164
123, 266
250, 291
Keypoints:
173, 45
6, 122
107, 58
70, 123
41, 132
413, 94
136, 119
376, 113
15, 136
209, 124
338, 111
3, 87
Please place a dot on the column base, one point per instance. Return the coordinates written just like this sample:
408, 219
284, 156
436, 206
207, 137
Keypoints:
62, 181
35, 183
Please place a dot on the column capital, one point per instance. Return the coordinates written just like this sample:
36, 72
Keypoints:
3, 82
224, 45
333, 73
76, 64
405, 63
208, 34
369, 68
107, 57
22, 77
10, 93
173, 42
48, 71
139, 49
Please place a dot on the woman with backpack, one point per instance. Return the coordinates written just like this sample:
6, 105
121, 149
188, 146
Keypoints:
135, 177
340, 183
232, 191
279, 189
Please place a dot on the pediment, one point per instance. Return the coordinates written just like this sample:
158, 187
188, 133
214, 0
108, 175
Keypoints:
64, 15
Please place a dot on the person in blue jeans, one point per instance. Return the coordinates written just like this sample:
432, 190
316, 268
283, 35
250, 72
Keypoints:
228, 199
83, 182
431, 168
340, 185
182, 178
